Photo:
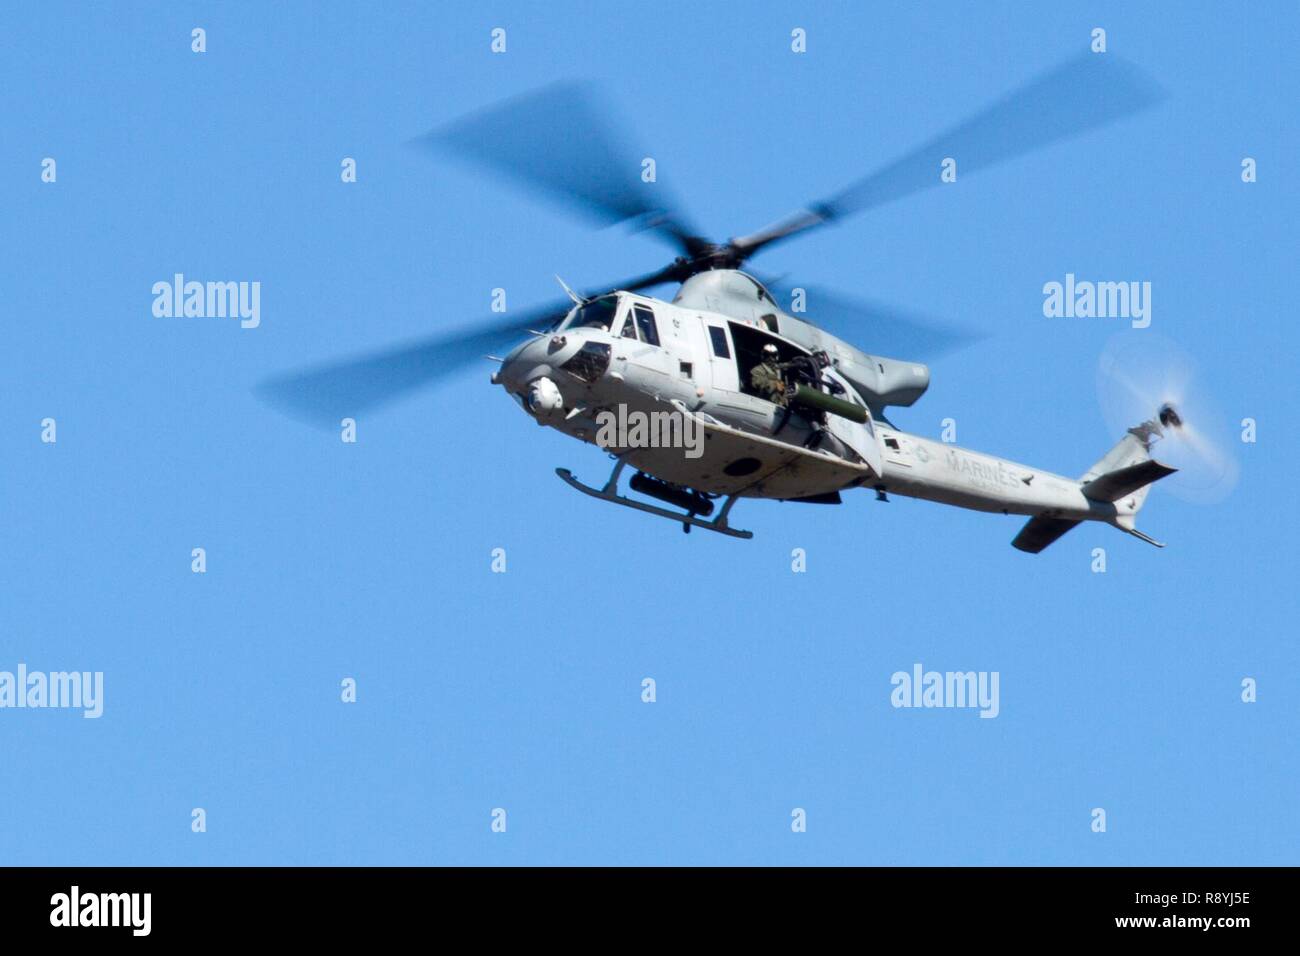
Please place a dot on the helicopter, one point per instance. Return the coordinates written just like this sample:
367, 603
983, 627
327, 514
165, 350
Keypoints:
779, 406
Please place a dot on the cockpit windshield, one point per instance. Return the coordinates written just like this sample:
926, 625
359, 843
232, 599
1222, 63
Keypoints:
596, 314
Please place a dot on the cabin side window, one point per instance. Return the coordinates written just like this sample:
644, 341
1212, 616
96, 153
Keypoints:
719, 338
645, 324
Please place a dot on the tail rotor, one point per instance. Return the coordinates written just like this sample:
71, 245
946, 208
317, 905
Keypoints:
1145, 378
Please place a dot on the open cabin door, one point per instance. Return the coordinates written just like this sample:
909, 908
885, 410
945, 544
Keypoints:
862, 438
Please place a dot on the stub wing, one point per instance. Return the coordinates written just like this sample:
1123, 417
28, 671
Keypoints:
735, 462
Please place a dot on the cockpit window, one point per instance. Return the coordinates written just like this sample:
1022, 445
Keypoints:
596, 314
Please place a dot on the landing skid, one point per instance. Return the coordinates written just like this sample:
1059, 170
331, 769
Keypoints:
610, 493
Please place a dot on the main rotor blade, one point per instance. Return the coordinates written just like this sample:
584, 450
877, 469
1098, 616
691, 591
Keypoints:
559, 139
324, 394
1085, 92
673, 272
876, 327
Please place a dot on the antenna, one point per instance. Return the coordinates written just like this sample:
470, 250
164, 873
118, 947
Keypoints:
577, 299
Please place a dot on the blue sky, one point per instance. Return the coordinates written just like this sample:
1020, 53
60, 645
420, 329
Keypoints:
522, 690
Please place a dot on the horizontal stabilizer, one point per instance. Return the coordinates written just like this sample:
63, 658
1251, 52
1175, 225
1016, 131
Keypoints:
1039, 532
1116, 484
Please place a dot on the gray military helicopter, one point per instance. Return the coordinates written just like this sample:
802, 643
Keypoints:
691, 361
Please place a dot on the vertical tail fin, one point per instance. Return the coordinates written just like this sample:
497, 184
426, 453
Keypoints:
1124, 476
1125, 473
